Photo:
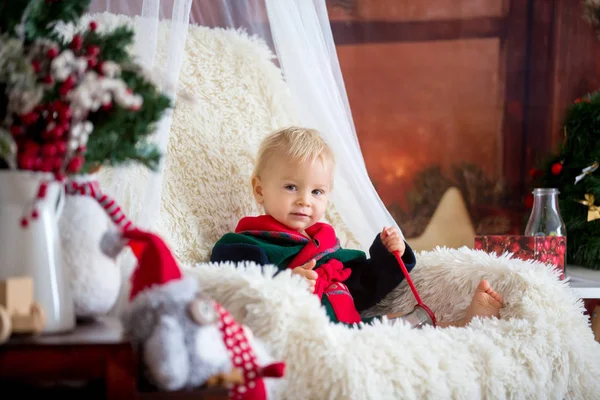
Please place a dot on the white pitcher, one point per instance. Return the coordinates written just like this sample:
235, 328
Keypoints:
34, 250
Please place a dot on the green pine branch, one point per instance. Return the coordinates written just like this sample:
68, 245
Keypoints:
581, 148
113, 45
123, 136
41, 16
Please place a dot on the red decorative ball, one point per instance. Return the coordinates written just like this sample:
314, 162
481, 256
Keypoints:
535, 173
529, 200
77, 42
557, 168
93, 25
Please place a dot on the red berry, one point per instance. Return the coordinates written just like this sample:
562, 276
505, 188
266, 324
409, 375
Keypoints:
57, 132
65, 113
66, 86
37, 66
47, 165
30, 118
52, 52
58, 162
61, 148
37, 163
93, 25
24, 222
49, 150
75, 164
48, 79
26, 162
76, 42
35, 214
31, 148
557, 168
92, 61
92, 50
16, 130
107, 106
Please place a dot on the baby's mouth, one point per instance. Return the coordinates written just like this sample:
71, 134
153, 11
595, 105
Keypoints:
301, 215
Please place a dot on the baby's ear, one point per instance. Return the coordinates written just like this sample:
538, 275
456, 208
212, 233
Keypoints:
257, 190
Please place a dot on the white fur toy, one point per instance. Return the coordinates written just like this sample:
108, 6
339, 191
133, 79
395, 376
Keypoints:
95, 278
186, 339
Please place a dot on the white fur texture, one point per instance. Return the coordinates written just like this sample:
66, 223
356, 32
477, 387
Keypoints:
95, 279
167, 342
541, 348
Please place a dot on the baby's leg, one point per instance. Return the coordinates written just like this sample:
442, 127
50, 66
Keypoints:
485, 303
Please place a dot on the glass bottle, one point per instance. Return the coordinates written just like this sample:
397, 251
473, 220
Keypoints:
545, 218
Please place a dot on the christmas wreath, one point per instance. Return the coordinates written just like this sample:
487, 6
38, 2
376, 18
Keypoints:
69, 106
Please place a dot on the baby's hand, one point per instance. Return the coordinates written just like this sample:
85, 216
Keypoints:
392, 241
307, 272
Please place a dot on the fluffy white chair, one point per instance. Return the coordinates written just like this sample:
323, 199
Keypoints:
542, 347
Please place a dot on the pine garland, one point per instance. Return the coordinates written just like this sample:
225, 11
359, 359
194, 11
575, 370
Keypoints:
119, 130
576, 160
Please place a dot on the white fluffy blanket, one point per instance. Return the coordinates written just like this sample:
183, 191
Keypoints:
541, 348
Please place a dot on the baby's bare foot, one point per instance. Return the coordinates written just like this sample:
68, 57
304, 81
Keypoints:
485, 303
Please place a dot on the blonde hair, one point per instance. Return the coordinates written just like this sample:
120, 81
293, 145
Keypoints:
297, 143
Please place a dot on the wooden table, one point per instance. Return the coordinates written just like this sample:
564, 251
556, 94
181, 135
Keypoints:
585, 282
94, 361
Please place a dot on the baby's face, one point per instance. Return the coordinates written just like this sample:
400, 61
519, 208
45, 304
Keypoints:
295, 194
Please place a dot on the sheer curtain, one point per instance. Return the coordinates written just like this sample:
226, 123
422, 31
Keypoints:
307, 54
299, 33
147, 16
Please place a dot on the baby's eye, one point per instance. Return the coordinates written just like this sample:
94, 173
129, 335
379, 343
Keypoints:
318, 192
290, 187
